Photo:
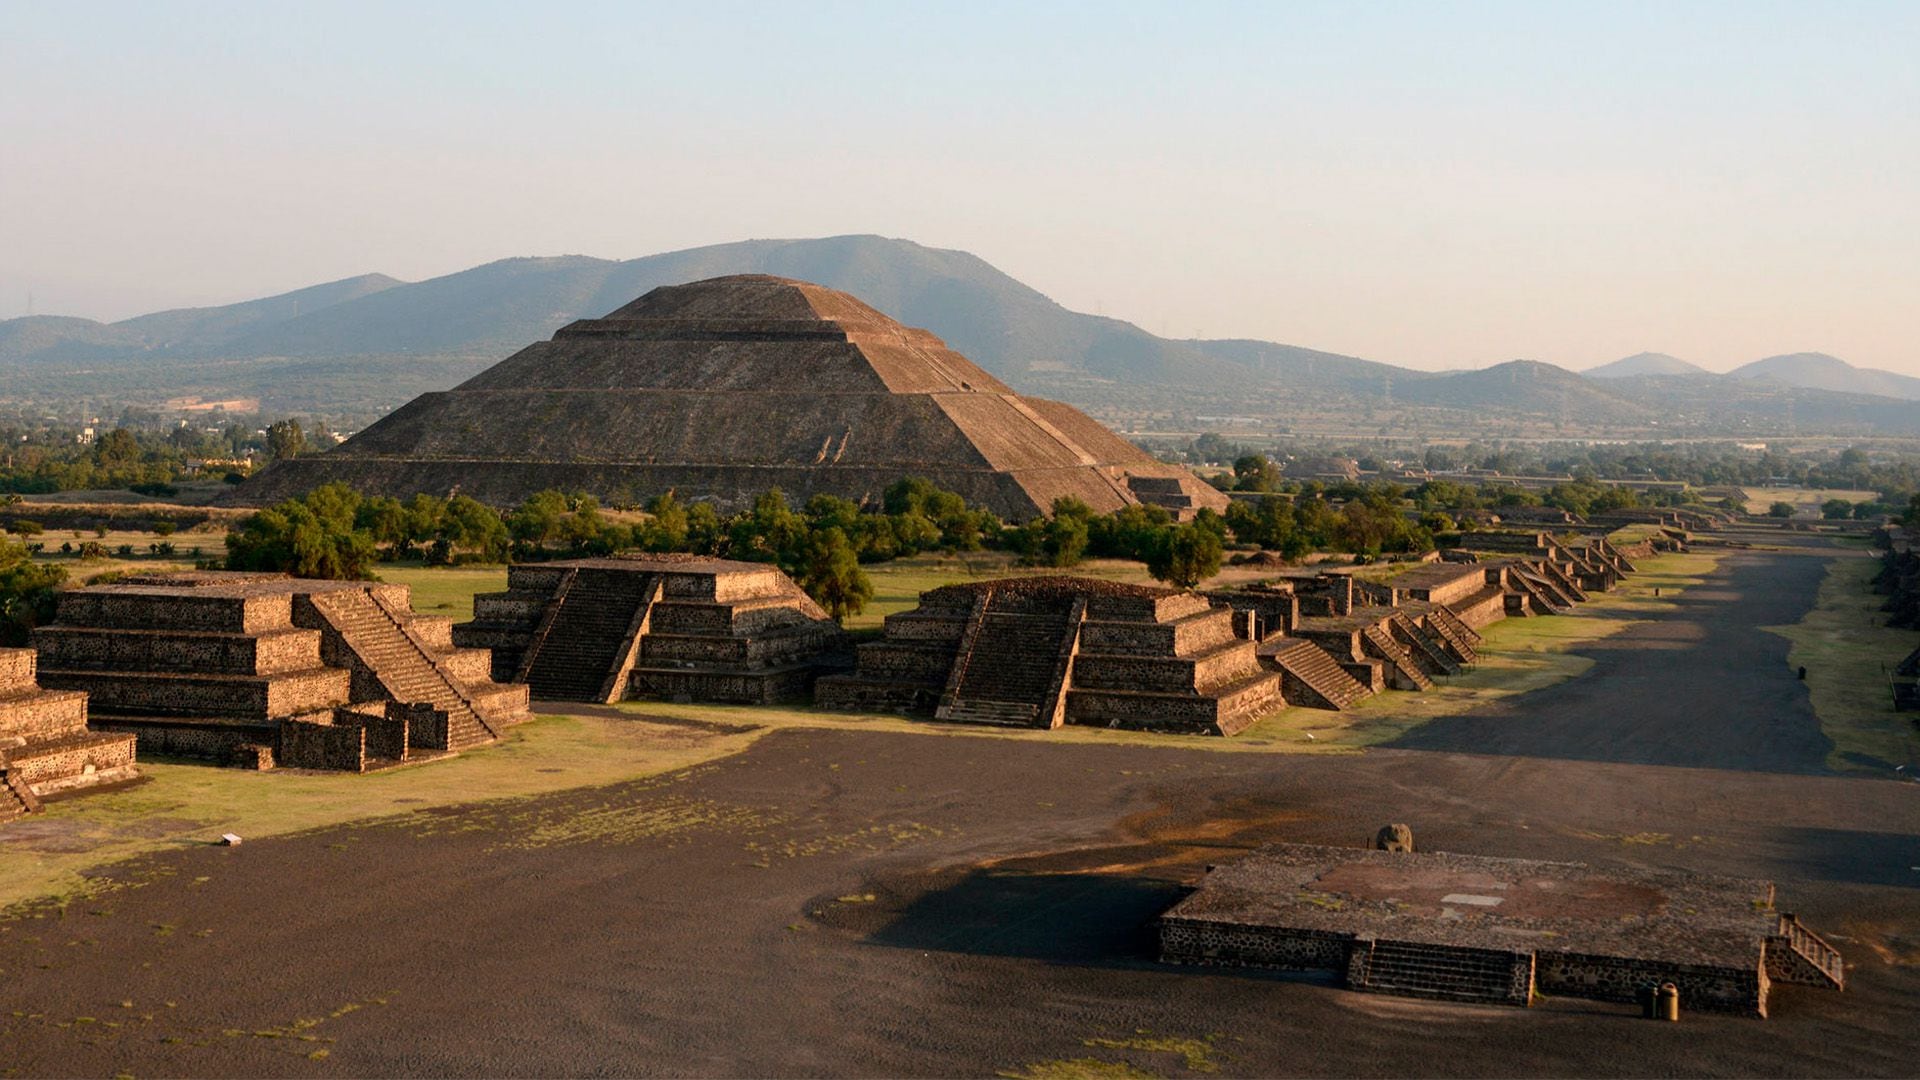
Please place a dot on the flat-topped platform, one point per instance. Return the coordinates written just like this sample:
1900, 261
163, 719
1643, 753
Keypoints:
1476, 928
682, 627
244, 667
1046, 650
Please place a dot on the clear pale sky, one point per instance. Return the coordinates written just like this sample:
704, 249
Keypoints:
1437, 185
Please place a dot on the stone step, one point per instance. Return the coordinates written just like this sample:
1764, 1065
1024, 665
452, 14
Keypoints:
1003, 713
1319, 672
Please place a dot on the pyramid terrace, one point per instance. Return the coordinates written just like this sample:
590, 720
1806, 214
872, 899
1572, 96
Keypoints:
1047, 651
45, 745
260, 670
659, 626
721, 389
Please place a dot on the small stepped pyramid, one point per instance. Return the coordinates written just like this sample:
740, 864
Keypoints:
1312, 676
1462, 641
1038, 651
263, 669
1426, 647
45, 746
908, 669
661, 626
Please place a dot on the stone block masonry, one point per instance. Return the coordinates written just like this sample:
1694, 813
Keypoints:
679, 628
46, 746
1497, 931
1042, 651
719, 390
254, 669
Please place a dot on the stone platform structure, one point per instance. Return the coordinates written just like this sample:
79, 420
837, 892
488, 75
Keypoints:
721, 389
262, 669
677, 627
1047, 651
45, 745
1496, 931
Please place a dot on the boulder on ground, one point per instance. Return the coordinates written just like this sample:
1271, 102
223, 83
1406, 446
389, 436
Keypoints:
1394, 837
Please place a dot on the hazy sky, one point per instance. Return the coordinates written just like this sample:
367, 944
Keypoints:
1431, 184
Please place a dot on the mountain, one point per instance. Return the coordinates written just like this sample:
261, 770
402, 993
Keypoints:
1646, 363
182, 331
357, 348
1818, 371
1522, 385
212, 328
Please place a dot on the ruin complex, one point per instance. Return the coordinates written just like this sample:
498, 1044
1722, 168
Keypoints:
258, 670
660, 626
45, 745
1042, 651
1497, 931
722, 389
1047, 651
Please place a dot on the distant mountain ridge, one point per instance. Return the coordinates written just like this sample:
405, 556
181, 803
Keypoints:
1818, 371
371, 342
1646, 363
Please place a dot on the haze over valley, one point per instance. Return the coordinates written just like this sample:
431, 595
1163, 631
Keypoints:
357, 347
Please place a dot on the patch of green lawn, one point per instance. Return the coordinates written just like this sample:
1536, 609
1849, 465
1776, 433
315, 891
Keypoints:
445, 590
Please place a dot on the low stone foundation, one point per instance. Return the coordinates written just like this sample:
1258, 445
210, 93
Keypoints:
1497, 931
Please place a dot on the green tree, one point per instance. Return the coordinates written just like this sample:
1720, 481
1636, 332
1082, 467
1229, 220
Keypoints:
830, 572
1254, 472
770, 532
469, 525
1186, 555
666, 527
1780, 510
1836, 509
538, 518
27, 592
704, 529
314, 537
117, 449
285, 440
386, 520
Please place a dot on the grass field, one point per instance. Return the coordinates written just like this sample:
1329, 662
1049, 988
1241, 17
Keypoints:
1806, 501
1848, 651
183, 804
445, 590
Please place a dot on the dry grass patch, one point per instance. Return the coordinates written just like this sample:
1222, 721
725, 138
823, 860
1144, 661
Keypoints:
179, 803
1848, 651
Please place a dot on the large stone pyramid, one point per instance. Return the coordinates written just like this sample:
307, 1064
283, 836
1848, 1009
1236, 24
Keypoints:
721, 389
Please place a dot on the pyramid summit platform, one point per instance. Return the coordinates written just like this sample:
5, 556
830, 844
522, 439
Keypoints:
722, 389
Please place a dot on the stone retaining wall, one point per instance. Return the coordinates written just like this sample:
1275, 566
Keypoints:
310, 745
